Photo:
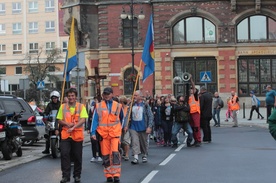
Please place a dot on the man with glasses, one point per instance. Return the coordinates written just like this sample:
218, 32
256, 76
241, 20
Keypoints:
106, 120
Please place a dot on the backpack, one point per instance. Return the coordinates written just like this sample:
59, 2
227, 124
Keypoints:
258, 102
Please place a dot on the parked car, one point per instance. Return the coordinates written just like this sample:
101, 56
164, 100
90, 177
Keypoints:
11, 104
40, 125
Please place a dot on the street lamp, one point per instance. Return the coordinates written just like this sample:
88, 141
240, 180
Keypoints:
131, 17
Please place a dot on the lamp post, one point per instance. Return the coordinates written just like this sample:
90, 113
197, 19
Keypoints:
131, 17
185, 80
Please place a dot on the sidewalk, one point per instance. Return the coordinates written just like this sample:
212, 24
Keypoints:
242, 119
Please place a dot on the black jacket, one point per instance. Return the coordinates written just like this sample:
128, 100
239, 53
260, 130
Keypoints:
206, 105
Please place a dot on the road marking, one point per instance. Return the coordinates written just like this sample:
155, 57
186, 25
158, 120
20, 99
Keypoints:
149, 176
167, 159
180, 147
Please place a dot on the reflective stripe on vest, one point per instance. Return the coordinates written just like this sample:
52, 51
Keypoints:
194, 105
109, 122
114, 110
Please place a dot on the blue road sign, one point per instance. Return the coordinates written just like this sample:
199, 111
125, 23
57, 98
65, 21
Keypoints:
205, 76
40, 85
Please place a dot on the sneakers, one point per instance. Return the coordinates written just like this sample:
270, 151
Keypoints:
135, 161
126, 158
99, 159
249, 119
93, 159
64, 180
174, 146
77, 180
109, 179
116, 179
226, 120
235, 126
144, 159
262, 118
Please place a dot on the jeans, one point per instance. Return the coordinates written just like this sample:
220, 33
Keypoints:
175, 129
216, 112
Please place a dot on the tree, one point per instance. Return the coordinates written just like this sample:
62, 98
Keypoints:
38, 68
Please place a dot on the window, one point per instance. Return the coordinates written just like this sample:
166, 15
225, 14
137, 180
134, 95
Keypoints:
2, 70
256, 28
255, 73
50, 26
50, 46
51, 68
33, 48
17, 48
2, 29
2, 48
33, 27
2, 8
49, 6
195, 66
33, 6
194, 30
129, 84
16, 8
18, 70
64, 46
16, 28
127, 33
13, 87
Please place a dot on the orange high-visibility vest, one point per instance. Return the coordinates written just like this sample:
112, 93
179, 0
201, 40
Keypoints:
77, 133
109, 123
234, 105
194, 105
125, 110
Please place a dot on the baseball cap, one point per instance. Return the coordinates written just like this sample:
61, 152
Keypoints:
107, 91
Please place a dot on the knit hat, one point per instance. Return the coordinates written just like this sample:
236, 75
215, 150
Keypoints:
252, 92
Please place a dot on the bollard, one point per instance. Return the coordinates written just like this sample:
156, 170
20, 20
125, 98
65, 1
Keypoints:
243, 106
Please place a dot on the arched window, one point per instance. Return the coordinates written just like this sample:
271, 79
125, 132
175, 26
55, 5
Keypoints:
194, 30
127, 32
128, 82
257, 28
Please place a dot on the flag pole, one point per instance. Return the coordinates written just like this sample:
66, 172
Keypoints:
132, 98
64, 78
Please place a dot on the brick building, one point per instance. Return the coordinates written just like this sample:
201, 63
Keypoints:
233, 40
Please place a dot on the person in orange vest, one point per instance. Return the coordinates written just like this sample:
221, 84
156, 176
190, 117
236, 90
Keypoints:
71, 116
106, 120
195, 114
235, 107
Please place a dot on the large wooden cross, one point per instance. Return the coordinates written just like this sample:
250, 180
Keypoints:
97, 79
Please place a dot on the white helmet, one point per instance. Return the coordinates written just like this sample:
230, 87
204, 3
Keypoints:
54, 94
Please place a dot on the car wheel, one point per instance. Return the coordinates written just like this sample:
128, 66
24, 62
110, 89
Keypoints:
28, 142
6, 150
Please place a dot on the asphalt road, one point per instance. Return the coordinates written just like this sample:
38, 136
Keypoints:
236, 155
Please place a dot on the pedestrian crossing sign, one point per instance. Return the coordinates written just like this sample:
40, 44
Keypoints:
40, 85
205, 76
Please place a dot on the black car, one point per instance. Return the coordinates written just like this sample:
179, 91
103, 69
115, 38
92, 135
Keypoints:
11, 104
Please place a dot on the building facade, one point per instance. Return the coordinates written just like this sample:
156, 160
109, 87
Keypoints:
232, 41
27, 26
